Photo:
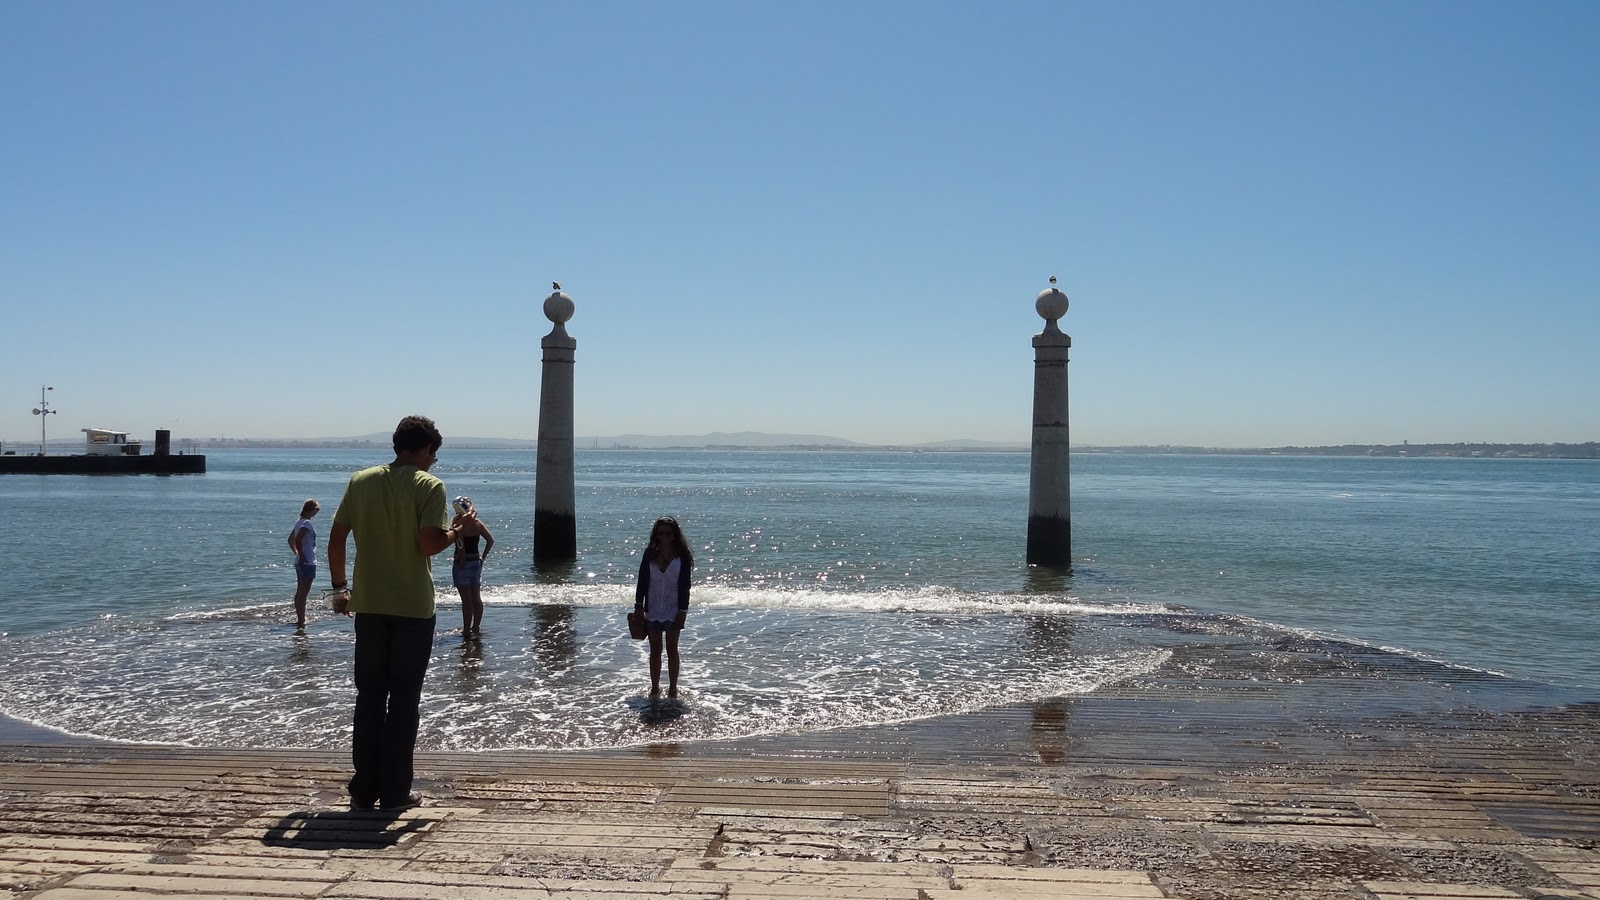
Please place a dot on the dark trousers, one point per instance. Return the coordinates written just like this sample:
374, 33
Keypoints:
391, 659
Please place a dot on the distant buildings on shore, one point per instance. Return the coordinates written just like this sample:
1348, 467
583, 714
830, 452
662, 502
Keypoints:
1589, 450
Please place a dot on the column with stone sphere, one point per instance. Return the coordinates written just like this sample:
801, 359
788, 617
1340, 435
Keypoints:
1049, 489
555, 522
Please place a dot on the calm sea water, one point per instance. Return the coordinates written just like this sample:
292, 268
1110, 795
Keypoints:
831, 589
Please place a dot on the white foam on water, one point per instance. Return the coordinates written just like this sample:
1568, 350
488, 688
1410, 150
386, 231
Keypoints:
556, 676
246, 611
890, 600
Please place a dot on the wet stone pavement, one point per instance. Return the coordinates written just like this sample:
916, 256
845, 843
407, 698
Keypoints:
1327, 779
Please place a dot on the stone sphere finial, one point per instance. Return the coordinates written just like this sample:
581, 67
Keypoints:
558, 307
1051, 304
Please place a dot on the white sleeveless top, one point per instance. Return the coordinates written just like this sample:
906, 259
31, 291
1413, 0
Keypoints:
309, 557
661, 597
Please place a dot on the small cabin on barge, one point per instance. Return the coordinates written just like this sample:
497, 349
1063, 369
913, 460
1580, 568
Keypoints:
105, 442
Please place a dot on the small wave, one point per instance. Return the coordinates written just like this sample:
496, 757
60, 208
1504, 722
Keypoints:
1345, 645
1444, 663
948, 601
226, 613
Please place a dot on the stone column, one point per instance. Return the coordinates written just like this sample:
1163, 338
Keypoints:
555, 523
1049, 487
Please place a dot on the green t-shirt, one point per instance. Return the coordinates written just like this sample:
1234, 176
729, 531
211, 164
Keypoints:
384, 507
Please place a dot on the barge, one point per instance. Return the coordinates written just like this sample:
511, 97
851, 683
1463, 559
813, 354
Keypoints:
108, 452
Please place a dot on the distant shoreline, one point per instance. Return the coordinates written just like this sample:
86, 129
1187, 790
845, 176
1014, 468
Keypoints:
1588, 450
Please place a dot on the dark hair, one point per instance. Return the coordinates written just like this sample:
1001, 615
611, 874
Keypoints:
309, 507
680, 547
416, 433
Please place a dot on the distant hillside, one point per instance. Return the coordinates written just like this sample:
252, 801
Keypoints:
362, 442
758, 440
714, 439
1589, 450
753, 440
969, 444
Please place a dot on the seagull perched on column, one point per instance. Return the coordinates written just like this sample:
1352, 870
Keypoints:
1052, 281
556, 285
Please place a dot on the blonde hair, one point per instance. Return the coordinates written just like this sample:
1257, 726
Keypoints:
309, 507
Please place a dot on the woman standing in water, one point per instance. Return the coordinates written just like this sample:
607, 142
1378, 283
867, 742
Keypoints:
663, 597
466, 572
303, 544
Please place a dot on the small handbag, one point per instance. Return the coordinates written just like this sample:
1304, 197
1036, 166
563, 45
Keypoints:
636, 627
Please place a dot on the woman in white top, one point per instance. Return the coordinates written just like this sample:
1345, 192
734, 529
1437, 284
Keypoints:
303, 544
663, 597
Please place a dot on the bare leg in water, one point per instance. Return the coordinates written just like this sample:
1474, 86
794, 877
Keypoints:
301, 590
471, 612
655, 661
672, 663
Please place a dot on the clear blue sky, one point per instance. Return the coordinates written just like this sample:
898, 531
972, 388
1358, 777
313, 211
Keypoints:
1278, 223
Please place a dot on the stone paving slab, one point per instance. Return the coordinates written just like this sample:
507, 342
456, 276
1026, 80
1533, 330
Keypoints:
857, 799
1011, 881
1414, 890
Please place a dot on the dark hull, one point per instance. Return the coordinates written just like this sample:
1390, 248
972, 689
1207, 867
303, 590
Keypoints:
182, 464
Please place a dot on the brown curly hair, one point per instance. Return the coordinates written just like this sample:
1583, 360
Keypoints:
680, 544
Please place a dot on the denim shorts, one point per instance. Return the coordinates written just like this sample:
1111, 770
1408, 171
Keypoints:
304, 571
467, 573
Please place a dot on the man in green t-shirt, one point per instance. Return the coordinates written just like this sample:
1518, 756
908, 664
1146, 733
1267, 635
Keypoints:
400, 519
